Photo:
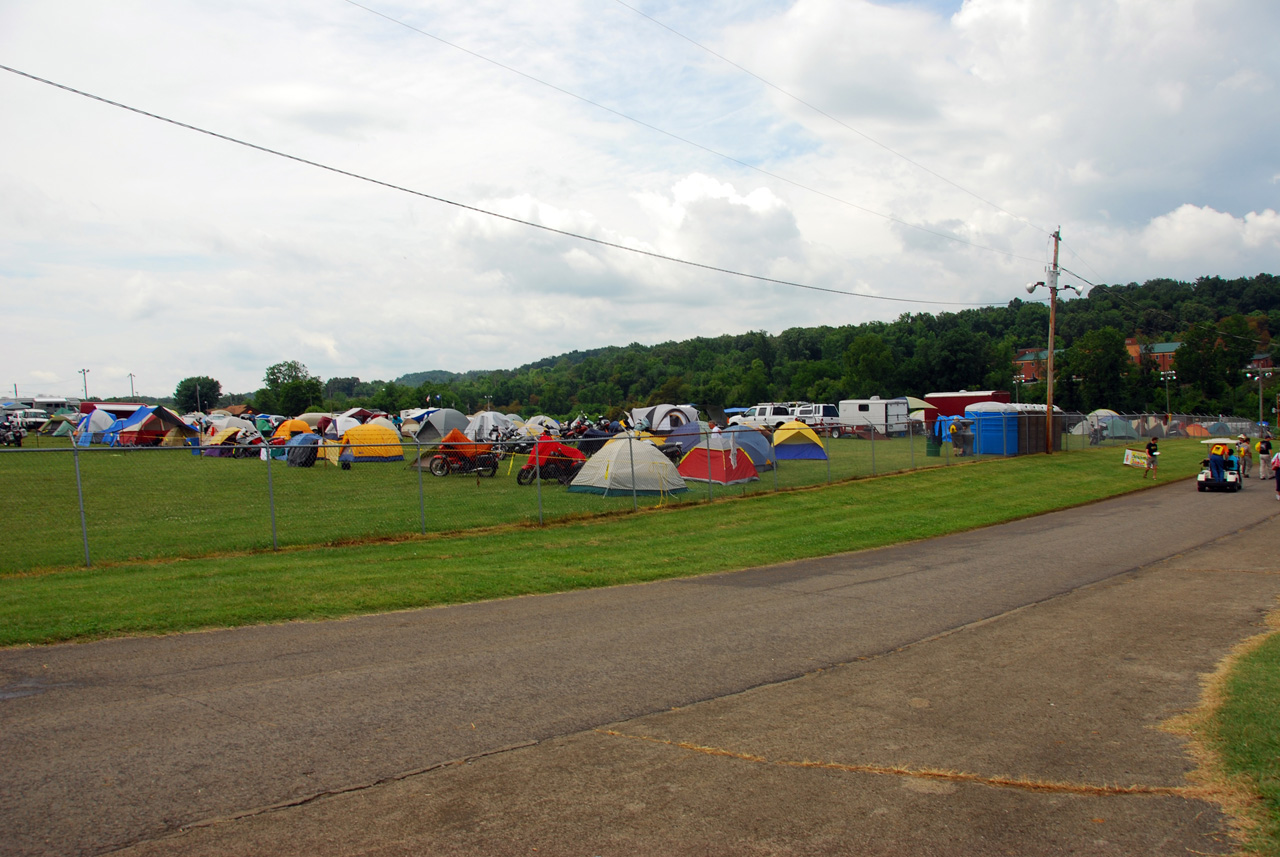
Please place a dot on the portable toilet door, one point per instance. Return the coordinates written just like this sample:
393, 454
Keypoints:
995, 428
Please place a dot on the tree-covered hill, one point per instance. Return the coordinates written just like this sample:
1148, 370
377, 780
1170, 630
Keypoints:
1223, 323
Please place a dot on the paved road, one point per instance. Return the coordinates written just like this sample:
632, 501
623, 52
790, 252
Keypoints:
1033, 649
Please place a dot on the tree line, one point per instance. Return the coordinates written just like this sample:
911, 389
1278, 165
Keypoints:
1221, 323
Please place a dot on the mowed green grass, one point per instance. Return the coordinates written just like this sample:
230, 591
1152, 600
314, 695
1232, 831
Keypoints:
1245, 733
157, 503
252, 586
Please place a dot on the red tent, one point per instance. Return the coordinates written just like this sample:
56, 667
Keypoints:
722, 466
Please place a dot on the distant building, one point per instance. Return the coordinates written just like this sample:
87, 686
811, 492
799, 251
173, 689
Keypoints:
1160, 352
1030, 364
1260, 361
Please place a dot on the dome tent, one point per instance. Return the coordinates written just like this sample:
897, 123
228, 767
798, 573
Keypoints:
610, 471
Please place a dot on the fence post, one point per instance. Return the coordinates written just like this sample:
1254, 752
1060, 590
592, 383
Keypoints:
773, 447
631, 453
271, 496
708, 440
422, 505
871, 424
84, 529
537, 476
911, 439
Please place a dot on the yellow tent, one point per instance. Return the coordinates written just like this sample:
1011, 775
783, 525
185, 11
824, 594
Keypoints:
371, 443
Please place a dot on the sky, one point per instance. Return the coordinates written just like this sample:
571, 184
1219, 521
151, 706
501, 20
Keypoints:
892, 157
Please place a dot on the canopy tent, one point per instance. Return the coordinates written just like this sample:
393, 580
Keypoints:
610, 471
362, 443
482, 426
719, 460
795, 441
148, 426
438, 423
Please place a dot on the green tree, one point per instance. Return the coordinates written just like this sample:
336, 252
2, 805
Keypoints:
870, 369
197, 393
1101, 362
299, 396
281, 373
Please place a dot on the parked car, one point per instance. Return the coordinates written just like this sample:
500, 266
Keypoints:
823, 419
768, 415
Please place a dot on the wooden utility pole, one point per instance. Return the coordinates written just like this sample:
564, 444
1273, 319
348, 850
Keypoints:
1053, 319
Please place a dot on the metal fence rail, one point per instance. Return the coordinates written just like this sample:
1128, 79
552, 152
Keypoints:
81, 505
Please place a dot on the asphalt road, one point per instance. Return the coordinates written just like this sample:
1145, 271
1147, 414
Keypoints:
674, 717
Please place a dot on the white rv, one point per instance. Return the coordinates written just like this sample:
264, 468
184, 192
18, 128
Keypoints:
888, 416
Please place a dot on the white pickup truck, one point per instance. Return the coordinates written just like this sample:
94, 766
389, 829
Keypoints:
823, 419
767, 415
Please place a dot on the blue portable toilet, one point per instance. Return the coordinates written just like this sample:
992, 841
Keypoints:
995, 428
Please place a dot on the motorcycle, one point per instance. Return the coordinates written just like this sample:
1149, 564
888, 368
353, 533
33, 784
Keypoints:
11, 433
477, 458
551, 460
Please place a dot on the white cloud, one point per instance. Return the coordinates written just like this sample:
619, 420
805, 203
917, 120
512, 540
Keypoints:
153, 250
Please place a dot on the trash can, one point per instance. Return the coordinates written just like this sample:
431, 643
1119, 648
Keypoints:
932, 449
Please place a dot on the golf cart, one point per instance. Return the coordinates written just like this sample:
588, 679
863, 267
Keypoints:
1231, 477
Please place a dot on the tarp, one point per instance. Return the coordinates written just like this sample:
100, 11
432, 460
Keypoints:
795, 441
723, 464
362, 443
439, 423
94, 428
609, 471
300, 450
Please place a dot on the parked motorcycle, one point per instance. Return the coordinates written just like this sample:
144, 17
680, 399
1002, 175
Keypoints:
11, 433
551, 460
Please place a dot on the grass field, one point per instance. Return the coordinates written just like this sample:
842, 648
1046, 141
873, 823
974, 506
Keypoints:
207, 564
155, 503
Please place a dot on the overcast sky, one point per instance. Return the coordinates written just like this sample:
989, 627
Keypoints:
864, 139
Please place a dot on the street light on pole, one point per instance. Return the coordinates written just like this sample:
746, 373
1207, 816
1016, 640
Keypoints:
85, 374
1050, 283
132, 395
1258, 375
1168, 375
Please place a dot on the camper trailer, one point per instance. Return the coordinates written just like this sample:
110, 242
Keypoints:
888, 416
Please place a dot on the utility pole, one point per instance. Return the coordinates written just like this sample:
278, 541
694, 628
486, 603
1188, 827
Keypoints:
132, 395
85, 374
1051, 283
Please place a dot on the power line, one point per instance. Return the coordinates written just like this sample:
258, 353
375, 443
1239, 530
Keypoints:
891, 218
834, 119
472, 208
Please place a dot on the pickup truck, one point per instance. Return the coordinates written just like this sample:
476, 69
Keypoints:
823, 419
768, 415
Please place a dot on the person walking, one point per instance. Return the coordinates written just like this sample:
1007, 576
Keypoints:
1153, 453
1264, 457
1244, 455
1275, 469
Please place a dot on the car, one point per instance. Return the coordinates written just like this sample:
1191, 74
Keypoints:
767, 415
823, 419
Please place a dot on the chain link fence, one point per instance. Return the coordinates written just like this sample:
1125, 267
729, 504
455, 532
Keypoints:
74, 505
